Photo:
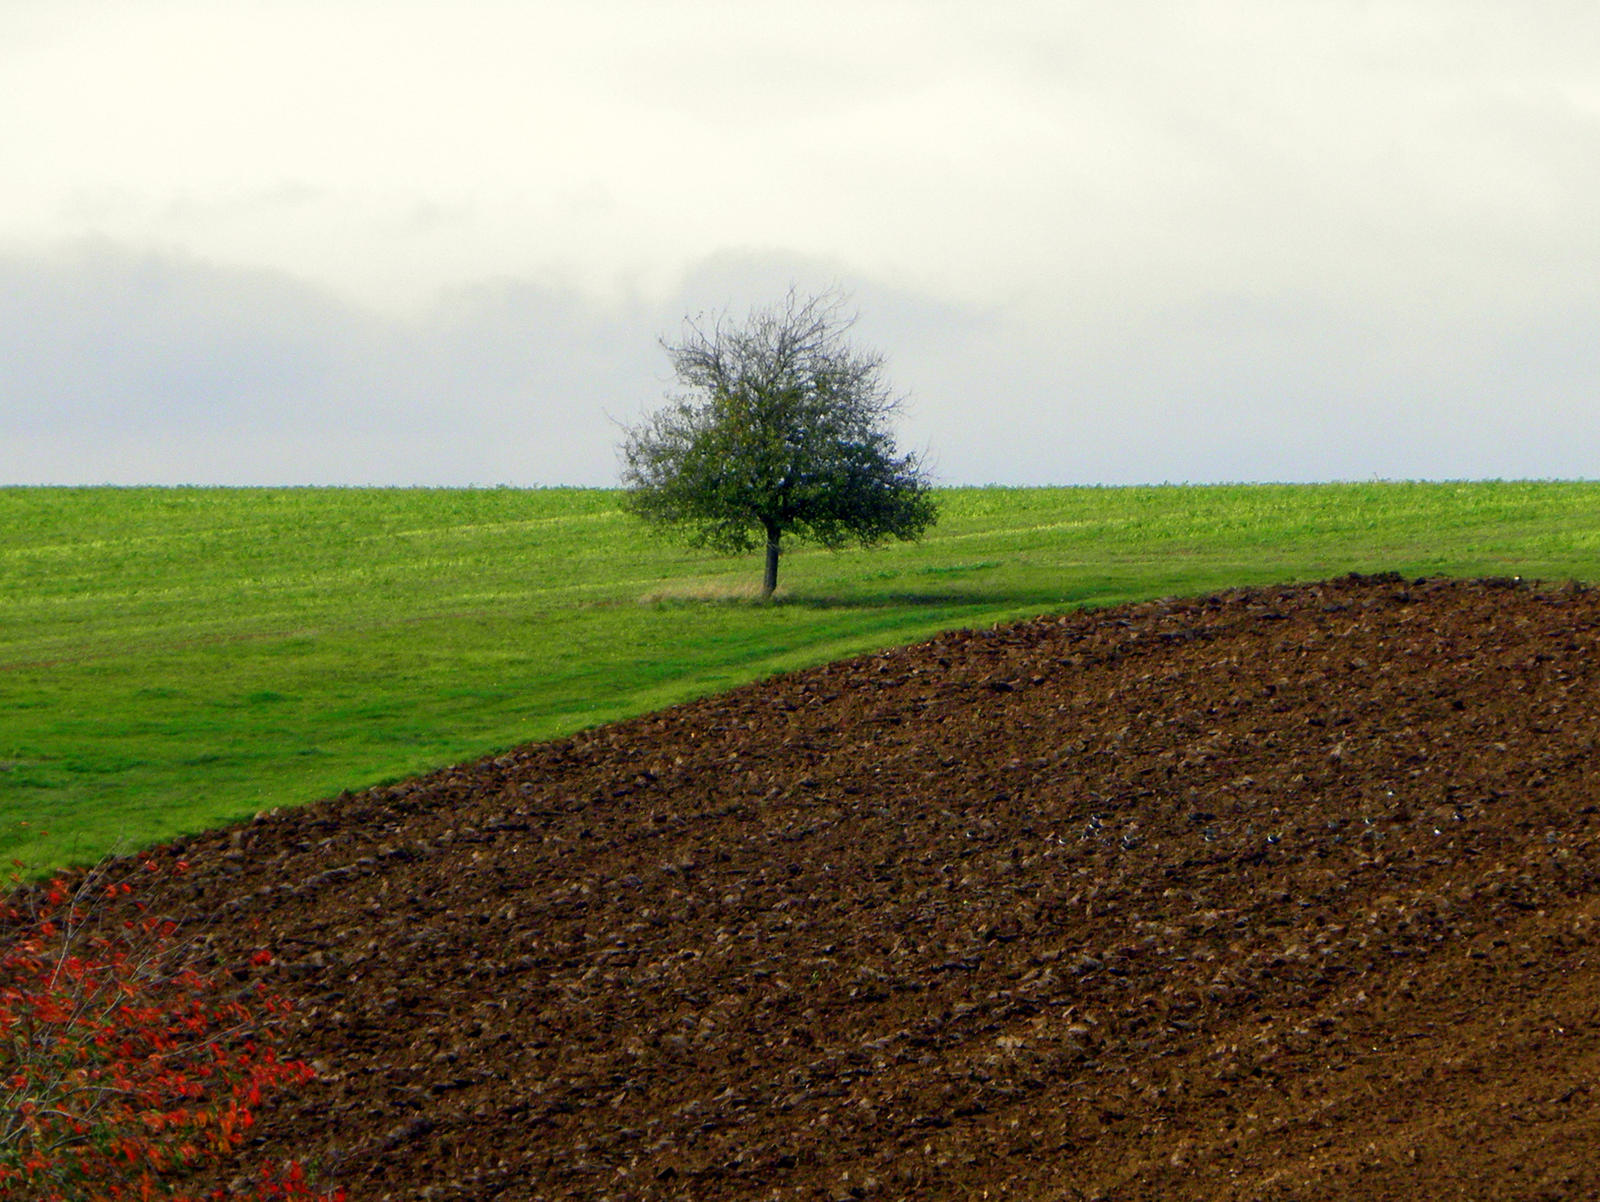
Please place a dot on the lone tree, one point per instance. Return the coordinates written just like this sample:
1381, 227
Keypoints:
783, 431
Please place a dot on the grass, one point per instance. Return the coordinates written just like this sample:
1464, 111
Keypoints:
175, 659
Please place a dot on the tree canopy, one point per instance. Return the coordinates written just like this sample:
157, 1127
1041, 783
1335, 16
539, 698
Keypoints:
783, 430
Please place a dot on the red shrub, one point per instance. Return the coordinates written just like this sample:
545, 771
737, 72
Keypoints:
122, 1070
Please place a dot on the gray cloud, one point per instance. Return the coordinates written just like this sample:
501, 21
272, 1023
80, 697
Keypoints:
100, 337
129, 366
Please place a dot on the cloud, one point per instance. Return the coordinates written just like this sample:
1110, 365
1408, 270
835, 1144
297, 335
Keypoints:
146, 367
1288, 387
98, 336
136, 366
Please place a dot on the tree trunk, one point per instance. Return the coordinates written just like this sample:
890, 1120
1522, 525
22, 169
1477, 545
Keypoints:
770, 580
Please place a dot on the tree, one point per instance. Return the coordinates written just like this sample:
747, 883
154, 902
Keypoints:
782, 432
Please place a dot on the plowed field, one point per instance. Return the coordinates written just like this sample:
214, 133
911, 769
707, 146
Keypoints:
1281, 894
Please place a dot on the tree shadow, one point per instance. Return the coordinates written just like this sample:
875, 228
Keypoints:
955, 598
945, 598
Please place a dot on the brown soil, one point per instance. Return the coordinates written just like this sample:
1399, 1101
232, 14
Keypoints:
1284, 894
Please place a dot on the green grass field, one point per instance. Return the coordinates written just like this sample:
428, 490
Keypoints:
173, 659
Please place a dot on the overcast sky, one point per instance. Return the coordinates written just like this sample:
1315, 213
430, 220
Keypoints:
393, 242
